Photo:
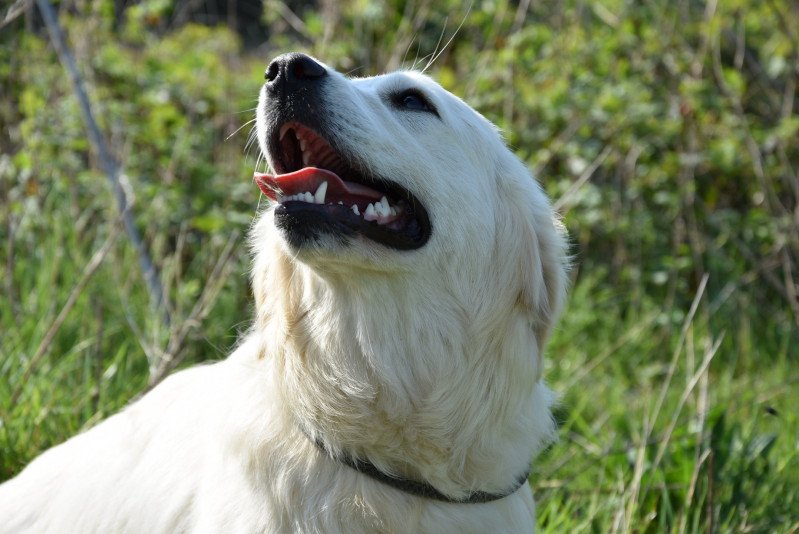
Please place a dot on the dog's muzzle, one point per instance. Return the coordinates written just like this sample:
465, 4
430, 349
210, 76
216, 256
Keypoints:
322, 187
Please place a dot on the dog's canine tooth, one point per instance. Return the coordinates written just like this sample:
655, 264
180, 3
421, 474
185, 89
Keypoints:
384, 202
283, 131
370, 214
355, 209
319, 196
302, 144
306, 157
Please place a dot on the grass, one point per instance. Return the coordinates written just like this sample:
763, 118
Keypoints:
667, 426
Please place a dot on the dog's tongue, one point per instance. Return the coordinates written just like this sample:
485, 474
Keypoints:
308, 180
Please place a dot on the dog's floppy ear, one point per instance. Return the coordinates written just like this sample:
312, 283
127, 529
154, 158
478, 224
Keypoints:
540, 260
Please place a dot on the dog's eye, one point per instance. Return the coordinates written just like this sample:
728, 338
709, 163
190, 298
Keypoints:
413, 100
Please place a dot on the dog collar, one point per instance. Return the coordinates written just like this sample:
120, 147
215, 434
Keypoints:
414, 487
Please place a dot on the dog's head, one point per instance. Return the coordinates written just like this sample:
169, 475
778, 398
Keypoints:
394, 174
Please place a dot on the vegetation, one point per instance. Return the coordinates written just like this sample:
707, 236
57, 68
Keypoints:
667, 132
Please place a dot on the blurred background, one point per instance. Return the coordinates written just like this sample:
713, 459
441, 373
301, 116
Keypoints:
666, 131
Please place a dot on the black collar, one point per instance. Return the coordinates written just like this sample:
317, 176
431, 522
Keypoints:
419, 489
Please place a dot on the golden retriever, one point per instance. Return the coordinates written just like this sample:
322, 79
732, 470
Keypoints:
407, 273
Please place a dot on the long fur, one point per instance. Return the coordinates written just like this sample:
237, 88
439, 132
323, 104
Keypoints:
427, 363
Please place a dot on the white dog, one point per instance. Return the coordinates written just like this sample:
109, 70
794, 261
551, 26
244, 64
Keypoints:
406, 278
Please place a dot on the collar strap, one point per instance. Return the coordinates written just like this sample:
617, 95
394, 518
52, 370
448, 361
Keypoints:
413, 487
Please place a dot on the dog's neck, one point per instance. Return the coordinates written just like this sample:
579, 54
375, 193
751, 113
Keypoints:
421, 389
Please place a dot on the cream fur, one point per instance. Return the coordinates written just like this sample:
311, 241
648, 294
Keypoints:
427, 362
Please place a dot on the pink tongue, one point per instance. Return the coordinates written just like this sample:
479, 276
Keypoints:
308, 180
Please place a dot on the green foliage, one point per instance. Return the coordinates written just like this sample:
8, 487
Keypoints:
167, 108
732, 444
665, 131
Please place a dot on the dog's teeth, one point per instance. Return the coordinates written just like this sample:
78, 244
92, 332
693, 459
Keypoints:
302, 144
319, 197
385, 207
355, 209
306, 157
393, 211
340, 203
370, 214
283, 131
308, 198
280, 199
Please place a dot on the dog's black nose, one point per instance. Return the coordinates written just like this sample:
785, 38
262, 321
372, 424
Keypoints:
293, 69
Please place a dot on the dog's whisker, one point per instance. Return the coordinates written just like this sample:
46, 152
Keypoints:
457, 30
433, 56
240, 128
251, 138
408, 48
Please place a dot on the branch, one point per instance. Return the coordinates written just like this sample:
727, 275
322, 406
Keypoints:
109, 164
15, 10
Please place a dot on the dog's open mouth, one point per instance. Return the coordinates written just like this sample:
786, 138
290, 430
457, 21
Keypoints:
318, 191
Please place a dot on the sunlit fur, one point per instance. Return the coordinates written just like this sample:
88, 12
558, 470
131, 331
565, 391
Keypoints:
427, 363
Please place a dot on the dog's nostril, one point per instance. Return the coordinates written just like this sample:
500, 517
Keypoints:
293, 68
272, 71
